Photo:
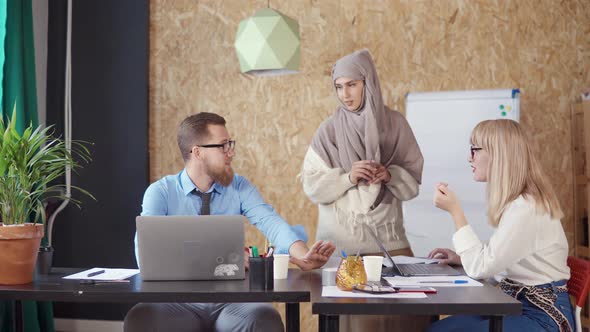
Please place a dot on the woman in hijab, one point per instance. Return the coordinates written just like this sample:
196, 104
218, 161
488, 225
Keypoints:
362, 163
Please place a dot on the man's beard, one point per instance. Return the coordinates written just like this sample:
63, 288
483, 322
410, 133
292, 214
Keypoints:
220, 175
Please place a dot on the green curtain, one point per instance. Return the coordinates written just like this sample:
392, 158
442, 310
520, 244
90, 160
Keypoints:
2, 38
18, 81
17, 58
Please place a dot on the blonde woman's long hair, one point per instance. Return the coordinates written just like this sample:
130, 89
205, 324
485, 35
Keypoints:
514, 170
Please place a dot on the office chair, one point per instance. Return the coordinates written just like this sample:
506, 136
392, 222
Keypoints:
579, 284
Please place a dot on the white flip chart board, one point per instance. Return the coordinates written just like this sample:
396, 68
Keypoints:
442, 123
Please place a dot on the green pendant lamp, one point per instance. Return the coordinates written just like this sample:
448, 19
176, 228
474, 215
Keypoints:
268, 44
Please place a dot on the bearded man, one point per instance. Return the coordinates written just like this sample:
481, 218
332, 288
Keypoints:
208, 185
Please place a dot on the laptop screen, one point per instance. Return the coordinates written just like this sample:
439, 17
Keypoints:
395, 269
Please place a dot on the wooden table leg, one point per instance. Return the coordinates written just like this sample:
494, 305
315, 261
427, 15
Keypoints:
329, 323
496, 323
292, 317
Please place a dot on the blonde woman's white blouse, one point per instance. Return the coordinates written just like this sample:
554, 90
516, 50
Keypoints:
527, 247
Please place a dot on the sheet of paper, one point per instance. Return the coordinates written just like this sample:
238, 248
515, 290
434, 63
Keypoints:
108, 274
334, 291
410, 260
433, 281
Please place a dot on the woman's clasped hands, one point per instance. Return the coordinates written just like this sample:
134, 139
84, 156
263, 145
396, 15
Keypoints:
368, 171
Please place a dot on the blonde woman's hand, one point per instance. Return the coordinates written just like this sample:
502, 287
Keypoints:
446, 256
362, 170
446, 199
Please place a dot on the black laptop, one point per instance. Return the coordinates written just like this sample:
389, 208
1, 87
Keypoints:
412, 270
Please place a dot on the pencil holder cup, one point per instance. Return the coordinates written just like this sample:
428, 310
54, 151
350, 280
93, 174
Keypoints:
350, 272
261, 273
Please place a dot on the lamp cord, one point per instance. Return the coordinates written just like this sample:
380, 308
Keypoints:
67, 125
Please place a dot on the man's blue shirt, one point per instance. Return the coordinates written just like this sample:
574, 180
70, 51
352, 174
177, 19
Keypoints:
174, 195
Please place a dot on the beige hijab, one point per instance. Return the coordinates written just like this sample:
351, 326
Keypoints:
372, 133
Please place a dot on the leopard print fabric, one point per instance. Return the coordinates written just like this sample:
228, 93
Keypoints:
542, 297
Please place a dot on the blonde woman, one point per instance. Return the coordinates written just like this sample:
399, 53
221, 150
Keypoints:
528, 251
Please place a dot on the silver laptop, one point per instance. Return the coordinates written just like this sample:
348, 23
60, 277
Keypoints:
191, 247
409, 270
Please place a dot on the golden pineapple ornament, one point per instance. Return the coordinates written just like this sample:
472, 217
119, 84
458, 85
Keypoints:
350, 272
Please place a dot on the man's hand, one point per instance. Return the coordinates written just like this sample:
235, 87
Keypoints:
313, 258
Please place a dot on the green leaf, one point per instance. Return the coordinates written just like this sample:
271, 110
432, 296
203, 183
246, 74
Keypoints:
28, 165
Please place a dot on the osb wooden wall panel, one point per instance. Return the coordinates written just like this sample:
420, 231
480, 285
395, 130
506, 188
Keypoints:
541, 47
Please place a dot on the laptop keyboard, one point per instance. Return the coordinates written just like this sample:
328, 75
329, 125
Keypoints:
415, 269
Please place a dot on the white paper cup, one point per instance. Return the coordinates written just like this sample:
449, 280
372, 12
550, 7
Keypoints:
329, 276
281, 266
373, 265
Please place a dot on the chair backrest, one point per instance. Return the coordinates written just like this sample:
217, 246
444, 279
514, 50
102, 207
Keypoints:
579, 283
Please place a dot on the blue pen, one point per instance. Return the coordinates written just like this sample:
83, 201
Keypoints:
343, 253
443, 282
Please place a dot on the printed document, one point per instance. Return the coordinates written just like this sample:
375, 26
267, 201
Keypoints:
101, 273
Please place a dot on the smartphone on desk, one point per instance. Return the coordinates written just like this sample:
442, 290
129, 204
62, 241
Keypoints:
382, 289
374, 289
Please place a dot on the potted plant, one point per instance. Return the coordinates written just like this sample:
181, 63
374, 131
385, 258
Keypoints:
29, 164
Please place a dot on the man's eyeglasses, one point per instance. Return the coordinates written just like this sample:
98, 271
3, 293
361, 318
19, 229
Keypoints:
473, 149
227, 146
